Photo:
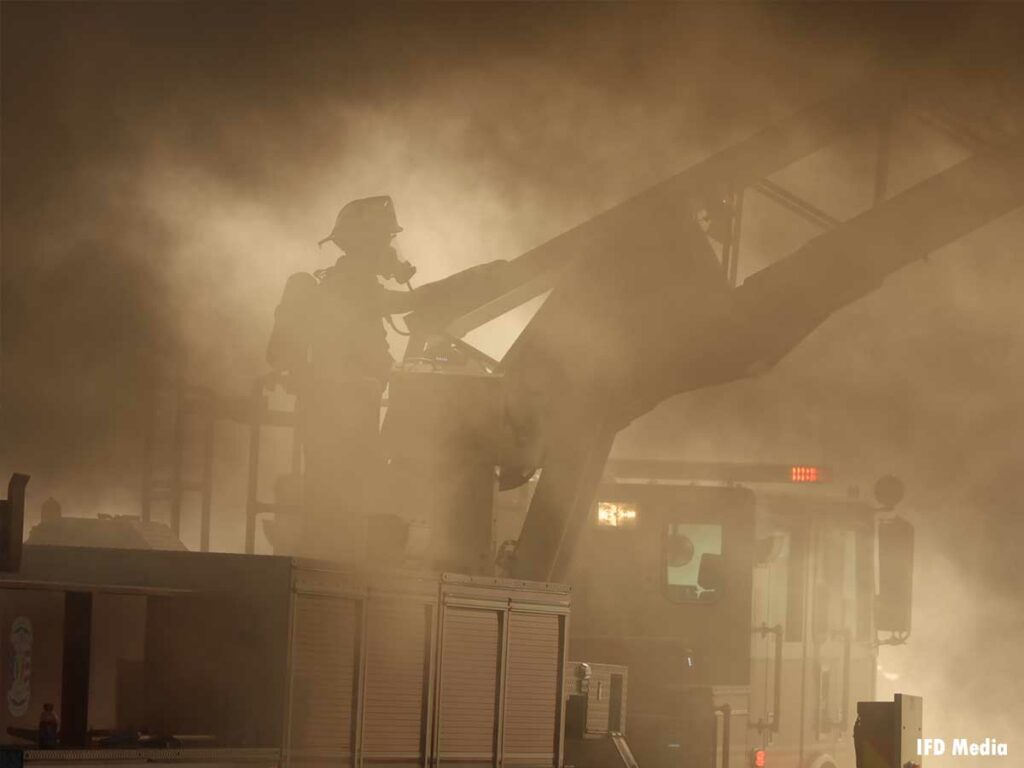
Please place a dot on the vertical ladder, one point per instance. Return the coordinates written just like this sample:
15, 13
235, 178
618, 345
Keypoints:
181, 424
259, 414
191, 413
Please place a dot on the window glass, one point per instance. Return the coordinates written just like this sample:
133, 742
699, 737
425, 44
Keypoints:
865, 581
778, 579
796, 582
837, 580
686, 545
849, 581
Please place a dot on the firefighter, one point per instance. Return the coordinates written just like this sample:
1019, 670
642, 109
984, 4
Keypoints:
330, 338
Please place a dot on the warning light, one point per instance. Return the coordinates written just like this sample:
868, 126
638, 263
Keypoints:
616, 514
759, 761
804, 474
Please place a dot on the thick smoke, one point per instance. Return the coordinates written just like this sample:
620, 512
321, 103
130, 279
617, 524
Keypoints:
166, 166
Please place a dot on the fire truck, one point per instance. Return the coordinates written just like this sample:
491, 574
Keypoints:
214, 659
743, 601
739, 626
739, 623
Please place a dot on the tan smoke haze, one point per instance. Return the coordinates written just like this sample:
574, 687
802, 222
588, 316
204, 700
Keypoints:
166, 166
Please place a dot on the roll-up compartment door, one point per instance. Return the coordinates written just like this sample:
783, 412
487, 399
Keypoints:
325, 661
532, 700
397, 665
467, 717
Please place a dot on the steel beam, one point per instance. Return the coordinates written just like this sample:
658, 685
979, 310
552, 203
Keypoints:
736, 167
795, 204
578, 445
774, 309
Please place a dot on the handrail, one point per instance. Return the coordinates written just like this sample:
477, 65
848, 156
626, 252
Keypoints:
726, 711
844, 718
772, 724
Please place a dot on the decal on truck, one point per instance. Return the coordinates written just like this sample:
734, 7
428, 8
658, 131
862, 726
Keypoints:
20, 692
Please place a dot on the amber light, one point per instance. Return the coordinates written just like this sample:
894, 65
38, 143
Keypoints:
802, 474
616, 514
759, 761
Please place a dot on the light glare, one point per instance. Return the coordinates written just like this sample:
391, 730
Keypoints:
616, 514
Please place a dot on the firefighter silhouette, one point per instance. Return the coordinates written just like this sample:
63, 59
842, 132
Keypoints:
329, 337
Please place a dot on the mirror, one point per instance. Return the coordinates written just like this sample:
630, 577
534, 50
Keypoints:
895, 575
679, 551
889, 491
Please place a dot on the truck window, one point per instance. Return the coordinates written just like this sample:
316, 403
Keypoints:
776, 584
865, 581
836, 582
686, 544
796, 583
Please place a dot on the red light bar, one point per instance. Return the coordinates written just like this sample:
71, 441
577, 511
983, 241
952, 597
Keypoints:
715, 471
805, 474
759, 758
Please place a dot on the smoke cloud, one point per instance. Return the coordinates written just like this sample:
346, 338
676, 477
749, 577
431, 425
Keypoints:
166, 167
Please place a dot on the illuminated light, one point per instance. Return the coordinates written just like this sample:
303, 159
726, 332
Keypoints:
803, 474
616, 514
759, 758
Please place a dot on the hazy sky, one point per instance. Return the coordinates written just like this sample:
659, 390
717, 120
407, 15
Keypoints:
165, 166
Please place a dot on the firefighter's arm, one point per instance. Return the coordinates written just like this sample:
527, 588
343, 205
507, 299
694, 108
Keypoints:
467, 287
289, 341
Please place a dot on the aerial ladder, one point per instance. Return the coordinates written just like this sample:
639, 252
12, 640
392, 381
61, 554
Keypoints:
642, 308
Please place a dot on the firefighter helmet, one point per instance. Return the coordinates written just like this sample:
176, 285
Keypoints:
368, 216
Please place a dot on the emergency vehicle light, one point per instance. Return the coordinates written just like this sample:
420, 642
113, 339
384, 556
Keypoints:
616, 514
759, 758
618, 470
804, 474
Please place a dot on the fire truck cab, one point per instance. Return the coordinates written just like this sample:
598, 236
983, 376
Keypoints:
748, 617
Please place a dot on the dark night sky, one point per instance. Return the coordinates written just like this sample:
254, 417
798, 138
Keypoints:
166, 165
